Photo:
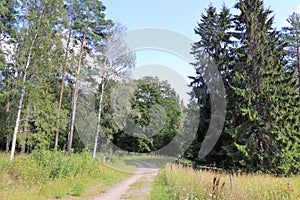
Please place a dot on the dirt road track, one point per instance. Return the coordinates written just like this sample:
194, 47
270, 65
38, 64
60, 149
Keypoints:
145, 171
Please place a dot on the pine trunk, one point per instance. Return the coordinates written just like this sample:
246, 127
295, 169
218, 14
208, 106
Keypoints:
99, 119
61, 92
75, 97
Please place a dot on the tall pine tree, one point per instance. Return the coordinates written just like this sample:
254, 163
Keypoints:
88, 27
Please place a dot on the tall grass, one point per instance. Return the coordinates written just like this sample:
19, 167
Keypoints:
175, 183
52, 175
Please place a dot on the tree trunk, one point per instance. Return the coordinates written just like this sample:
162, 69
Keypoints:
24, 132
8, 136
15, 134
99, 119
152, 143
75, 97
23, 90
23, 141
61, 91
14, 140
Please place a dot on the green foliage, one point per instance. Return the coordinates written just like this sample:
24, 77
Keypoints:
39, 27
291, 36
212, 50
262, 103
154, 116
8, 17
88, 18
270, 92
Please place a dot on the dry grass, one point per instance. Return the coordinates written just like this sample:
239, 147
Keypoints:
174, 182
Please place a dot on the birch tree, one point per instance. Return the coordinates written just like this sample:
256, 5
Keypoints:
37, 27
37, 52
113, 62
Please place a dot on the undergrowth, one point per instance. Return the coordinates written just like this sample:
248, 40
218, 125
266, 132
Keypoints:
52, 174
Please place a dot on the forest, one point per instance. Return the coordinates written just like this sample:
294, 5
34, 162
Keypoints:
58, 56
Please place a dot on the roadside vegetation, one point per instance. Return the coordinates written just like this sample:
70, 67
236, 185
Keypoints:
127, 162
49, 174
174, 182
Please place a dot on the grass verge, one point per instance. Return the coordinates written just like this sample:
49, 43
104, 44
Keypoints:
175, 183
48, 174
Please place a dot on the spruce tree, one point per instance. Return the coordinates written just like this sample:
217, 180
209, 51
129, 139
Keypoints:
211, 51
261, 131
264, 89
8, 18
292, 37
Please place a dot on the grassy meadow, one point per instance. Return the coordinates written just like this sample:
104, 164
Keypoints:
48, 174
174, 182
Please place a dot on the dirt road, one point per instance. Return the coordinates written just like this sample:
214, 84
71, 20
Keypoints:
137, 187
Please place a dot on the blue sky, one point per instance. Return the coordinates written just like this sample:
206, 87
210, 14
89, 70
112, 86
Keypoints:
181, 17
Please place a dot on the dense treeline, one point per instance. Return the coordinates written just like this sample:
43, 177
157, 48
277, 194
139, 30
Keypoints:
261, 131
52, 52
47, 48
